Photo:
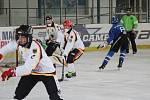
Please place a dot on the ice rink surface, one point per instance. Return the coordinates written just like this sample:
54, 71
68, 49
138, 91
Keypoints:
132, 82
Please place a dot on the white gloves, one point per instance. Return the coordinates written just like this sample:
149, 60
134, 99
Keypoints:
64, 54
102, 44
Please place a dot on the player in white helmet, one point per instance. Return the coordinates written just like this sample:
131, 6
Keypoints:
55, 43
55, 31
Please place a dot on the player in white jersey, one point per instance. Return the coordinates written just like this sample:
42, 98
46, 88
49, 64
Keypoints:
55, 43
73, 47
55, 32
37, 67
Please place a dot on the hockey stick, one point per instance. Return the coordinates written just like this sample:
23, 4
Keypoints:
17, 55
62, 73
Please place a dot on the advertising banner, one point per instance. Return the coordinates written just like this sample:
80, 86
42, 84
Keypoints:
91, 34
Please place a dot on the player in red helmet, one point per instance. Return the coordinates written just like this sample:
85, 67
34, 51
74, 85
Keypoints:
73, 48
67, 24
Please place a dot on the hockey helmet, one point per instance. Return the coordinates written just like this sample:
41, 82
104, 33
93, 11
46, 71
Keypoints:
49, 18
24, 30
68, 24
114, 20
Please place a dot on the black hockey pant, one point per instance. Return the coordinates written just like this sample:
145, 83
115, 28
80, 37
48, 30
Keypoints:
132, 37
26, 84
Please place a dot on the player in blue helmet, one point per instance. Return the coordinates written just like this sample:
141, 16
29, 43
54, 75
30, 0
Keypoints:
118, 40
114, 20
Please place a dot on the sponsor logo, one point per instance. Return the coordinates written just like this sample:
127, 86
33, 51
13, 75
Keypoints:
34, 51
3, 43
95, 37
89, 35
144, 34
5, 37
8, 35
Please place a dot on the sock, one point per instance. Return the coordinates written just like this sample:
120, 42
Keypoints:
71, 67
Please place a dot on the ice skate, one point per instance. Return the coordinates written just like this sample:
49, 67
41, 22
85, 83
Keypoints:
134, 52
74, 74
119, 66
102, 67
70, 74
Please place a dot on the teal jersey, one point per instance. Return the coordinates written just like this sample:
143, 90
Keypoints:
129, 22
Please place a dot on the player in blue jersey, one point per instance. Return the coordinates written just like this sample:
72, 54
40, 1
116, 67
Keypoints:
118, 40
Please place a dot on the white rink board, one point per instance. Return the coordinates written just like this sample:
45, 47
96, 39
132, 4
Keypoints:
130, 83
94, 34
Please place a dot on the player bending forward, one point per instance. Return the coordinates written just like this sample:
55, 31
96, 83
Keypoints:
55, 42
37, 67
118, 40
73, 47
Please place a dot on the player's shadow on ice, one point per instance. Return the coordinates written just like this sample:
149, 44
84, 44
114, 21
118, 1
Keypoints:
108, 70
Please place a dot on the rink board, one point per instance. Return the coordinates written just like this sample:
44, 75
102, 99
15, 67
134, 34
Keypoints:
91, 35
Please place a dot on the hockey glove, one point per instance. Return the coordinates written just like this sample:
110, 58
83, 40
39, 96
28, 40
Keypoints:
7, 74
64, 55
102, 45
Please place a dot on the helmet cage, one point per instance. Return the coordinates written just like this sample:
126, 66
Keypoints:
49, 18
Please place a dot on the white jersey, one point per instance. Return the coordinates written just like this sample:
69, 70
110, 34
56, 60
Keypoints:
73, 41
35, 58
56, 31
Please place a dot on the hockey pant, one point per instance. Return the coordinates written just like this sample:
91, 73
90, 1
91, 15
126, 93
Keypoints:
120, 43
74, 55
26, 84
132, 37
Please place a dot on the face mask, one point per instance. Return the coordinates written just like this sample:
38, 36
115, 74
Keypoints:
22, 41
66, 30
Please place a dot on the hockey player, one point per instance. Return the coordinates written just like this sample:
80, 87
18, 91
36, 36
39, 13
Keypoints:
55, 31
73, 49
37, 67
55, 43
118, 40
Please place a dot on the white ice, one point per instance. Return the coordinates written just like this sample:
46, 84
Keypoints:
132, 82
